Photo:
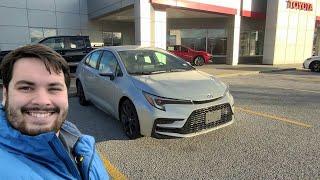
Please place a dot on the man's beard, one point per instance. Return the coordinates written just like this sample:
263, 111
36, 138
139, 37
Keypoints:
18, 122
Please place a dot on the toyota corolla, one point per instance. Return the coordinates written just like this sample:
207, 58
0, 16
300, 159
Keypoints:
153, 93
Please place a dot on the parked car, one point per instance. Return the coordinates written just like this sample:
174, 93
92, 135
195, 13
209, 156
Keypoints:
72, 48
197, 58
312, 63
152, 92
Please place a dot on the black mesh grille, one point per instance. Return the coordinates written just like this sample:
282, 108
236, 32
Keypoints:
196, 121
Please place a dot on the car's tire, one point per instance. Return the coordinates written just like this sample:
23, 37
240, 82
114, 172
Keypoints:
315, 66
129, 119
80, 93
198, 61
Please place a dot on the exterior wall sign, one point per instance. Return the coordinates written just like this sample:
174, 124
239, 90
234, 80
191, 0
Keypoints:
299, 5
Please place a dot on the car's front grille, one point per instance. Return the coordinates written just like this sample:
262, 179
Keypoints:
197, 120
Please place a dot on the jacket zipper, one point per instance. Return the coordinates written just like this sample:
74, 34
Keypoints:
67, 161
91, 159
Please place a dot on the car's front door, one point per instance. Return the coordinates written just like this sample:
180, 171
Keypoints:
107, 87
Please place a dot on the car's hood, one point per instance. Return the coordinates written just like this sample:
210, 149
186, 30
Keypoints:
189, 85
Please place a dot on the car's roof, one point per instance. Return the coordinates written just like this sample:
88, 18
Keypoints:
128, 47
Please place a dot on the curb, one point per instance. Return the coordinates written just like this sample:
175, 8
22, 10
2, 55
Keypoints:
256, 72
278, 70
238, 74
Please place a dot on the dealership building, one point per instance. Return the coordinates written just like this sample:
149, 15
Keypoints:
234, 31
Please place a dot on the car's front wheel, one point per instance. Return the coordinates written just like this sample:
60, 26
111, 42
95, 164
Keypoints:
80, 93
129, 119
199, 61
315, 66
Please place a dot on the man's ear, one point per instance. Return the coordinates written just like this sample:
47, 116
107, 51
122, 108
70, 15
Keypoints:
4, 96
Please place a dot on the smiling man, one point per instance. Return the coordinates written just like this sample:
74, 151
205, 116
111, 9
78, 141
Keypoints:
36, 142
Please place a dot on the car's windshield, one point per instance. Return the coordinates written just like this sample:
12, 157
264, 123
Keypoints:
140, 62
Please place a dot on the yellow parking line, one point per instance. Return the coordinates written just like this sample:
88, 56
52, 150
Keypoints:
291, 121
113, 171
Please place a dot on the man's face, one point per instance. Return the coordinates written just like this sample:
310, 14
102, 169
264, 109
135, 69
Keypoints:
35, 101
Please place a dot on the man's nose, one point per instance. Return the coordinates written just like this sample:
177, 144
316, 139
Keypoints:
41, 97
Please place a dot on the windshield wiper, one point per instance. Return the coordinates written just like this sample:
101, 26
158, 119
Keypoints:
148, 72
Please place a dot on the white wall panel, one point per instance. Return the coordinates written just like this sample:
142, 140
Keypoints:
14, 3
13, 16
14, 35
41, 4
68, 20
83, 7
86, 24
69, 31
68, 6
42, 18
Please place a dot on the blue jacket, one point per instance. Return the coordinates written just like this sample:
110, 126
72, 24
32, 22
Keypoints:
45, 157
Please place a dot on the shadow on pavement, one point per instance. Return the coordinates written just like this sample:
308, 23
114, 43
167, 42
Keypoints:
92, 121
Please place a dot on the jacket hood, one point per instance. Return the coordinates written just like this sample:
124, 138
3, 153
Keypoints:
189, 85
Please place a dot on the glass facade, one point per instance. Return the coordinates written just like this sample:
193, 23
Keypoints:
112, 38
251, 43
213, 41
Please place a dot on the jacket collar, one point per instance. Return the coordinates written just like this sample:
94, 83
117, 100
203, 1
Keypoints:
37, 147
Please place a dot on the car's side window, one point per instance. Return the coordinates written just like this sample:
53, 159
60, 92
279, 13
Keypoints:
54, 43
77, 43
87, 59
108, 62
94, 59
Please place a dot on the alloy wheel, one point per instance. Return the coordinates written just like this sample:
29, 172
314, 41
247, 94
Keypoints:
129, 119
315, 67
199, 61
80, 94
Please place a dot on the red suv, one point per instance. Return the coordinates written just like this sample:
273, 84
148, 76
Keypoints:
197, 58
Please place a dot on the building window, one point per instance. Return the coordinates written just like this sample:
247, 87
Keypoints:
213, 41
36, 34
112, 38
251, 43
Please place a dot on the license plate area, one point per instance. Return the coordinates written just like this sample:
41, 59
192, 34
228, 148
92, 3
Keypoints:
213, 116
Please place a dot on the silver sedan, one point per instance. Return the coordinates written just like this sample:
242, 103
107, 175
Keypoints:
153, 92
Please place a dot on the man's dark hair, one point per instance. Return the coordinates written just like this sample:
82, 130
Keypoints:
51, 59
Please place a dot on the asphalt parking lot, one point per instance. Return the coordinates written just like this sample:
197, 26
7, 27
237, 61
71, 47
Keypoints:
275, 135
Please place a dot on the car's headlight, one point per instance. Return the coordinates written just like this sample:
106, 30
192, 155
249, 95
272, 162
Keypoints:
155, 101
160, 102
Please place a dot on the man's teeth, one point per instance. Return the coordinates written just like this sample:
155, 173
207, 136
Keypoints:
40, 115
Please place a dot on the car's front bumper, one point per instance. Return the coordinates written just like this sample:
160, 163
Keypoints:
184, 120
196, 123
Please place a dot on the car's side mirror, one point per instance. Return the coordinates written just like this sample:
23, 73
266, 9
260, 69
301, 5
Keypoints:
107, 72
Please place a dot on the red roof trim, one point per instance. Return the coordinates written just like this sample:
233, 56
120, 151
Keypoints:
196, 6
255, 15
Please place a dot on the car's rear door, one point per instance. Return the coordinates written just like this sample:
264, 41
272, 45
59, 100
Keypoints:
89, 73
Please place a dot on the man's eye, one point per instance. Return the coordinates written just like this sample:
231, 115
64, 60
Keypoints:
55, 89
25, 88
